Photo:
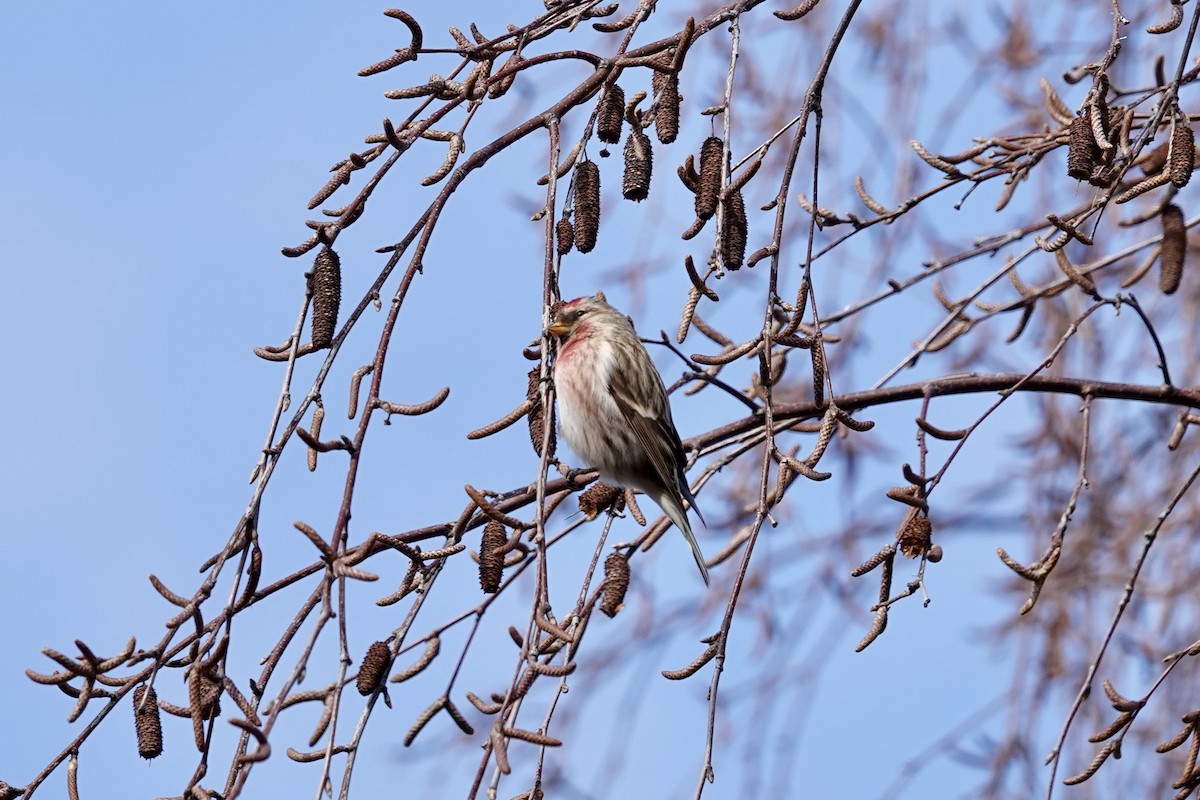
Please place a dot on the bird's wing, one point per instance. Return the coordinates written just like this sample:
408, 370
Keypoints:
654, 429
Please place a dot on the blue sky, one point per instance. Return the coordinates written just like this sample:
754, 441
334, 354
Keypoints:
157, 157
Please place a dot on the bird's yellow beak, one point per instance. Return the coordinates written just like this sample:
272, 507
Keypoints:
558, 328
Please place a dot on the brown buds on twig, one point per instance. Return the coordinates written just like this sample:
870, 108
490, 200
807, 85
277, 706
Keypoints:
1183, 153
1174, 247
1174, 22
639, 162
414, 409
1153, 182
432, 648
402, 55
692, 668
1082, 280
708, 187
611, 114
147, 722
885, 553
490, 511
454, 150
375, 665
318, 418
616, 583
587, 205
326, 287
797, 12
491, 556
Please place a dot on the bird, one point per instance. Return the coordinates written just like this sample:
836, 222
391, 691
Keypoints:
613, 409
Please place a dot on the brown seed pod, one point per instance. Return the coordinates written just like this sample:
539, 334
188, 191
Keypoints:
1174, 246
1183, 153
587, 205
491, 556
1153, 161
666, 105
326, 284
537, 414
616, 583
639, 162
734, 231
914, 535
1082, 149
611, 115
599, 497
375, 665
147, 722
564, 232
708, 188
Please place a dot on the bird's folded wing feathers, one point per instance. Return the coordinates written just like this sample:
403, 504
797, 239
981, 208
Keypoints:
656, 433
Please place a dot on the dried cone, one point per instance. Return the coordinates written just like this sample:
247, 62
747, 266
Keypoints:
564, 232
374, 668
204, 694
616, 583
734, 231
147, 722
639, 162
491, 556
708, 188
1154, 161
1174, 245
914, 535
537, 414
587, 205
1183, 154
327, 296
1082, 149
666, 109
612, 114
599, 497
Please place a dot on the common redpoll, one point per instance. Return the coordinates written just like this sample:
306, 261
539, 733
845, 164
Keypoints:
613, 409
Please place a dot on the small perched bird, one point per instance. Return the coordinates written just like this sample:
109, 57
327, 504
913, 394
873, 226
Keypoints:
613, 409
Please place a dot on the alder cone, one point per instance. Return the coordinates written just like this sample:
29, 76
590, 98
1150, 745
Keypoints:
639, 162
491, 556
587, 206
666, 109
914, 535
564, 233
147, 722
708, 188
374, 666
1183, 154
1154, 161
327, 296
599, 497
1082, 149
734, 232
1174, 247
611, 115
537, 414
616, 583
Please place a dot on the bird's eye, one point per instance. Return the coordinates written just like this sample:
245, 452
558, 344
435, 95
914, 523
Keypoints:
580, 312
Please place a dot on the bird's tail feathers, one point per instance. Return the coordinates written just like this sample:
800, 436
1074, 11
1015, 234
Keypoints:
674, 510
686, 491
